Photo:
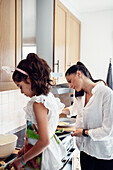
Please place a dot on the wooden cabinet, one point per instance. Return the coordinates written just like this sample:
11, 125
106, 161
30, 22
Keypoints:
66, 38
10, 40
59, 37
73, 40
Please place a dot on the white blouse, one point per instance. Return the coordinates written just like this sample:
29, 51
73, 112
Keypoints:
97, 117
52, 155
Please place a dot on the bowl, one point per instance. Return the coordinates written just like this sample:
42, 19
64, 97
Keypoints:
7, 144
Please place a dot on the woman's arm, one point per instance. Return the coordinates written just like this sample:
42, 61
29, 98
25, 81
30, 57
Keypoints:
71, 110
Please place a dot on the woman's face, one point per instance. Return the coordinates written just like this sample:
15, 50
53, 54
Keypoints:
75, 81
25, 88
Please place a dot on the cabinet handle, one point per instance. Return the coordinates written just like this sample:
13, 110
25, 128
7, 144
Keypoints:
69, 64
57, 65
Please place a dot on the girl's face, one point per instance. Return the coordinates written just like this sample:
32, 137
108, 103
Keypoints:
25, 88
75, 81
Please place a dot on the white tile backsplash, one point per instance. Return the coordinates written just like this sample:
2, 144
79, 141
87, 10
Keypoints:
0, 99
4, 98
0, 113
11, 97
11, 107
12, 115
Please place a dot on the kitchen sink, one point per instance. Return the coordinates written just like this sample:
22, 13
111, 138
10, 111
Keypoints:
63, 90
64, 93
60, 90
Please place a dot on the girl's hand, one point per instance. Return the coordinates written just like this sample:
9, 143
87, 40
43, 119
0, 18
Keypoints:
17, 164
21, 152
77, 133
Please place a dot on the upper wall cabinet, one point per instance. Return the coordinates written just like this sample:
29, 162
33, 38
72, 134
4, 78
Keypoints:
72, 40
10, 40
66, 38
59, 37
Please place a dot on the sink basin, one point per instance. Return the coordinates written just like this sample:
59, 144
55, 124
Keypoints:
63, 90
57, 90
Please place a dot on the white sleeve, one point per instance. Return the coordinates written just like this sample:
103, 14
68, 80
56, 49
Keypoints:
72, 109
106, 130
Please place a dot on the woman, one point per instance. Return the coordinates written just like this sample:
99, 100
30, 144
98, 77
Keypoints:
94, 122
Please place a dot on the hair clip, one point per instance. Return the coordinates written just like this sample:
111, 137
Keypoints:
21, 71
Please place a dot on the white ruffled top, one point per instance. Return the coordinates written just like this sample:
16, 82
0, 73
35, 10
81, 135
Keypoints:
52, 155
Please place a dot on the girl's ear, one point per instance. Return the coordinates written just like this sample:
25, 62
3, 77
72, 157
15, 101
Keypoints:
28, 79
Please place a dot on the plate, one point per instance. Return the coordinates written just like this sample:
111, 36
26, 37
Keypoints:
66, 122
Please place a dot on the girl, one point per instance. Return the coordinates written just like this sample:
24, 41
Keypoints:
43, 150
94, 122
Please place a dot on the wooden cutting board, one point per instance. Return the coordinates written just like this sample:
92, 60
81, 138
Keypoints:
16, 151
70, 129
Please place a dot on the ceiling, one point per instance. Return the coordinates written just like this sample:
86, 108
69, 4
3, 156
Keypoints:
91, 5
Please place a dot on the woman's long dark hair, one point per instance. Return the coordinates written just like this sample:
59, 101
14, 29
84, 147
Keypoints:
81, 67
38, 71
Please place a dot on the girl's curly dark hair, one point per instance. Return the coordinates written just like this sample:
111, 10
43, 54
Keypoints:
38, 71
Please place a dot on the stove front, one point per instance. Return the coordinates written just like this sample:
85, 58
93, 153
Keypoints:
68, 142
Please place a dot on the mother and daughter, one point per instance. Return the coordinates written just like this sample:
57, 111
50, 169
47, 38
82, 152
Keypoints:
94, 122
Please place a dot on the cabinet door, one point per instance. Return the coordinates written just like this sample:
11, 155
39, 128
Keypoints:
60, 38
73, 41
66, 38
10, 39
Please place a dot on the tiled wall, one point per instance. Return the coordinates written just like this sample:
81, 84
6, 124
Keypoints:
12, 114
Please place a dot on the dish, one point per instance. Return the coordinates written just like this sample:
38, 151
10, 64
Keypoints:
7, 144
66, 122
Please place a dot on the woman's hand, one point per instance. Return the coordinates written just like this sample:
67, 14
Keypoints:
66, 111
21, 152
77, 133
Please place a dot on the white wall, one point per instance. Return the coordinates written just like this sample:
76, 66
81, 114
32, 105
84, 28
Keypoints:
97, 42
